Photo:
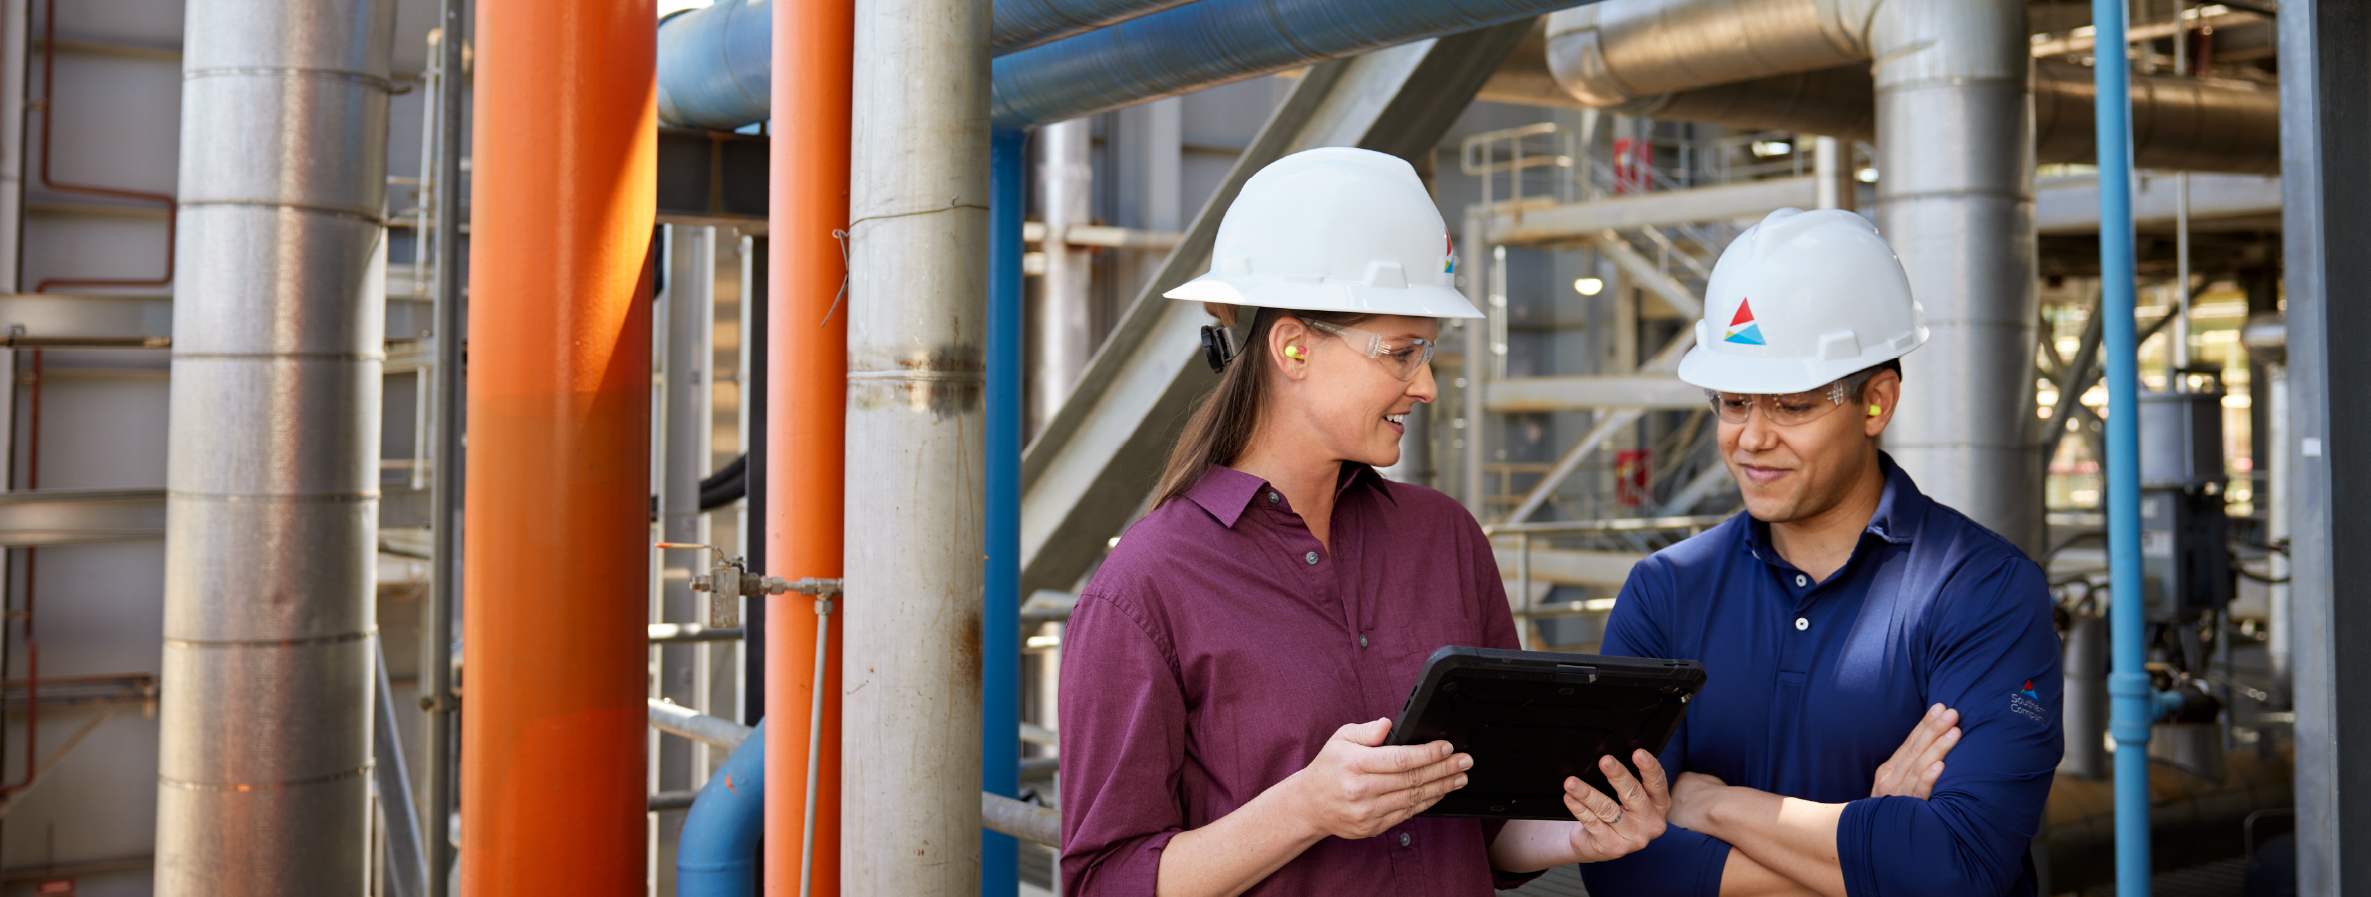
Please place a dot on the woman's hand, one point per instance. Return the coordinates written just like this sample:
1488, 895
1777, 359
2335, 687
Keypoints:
1918, 763
1604, 829
1692, 795
1357, 788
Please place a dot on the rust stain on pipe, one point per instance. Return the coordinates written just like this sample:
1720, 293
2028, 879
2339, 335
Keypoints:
563, 201
807, 411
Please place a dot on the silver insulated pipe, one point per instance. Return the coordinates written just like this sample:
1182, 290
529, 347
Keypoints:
1955, 153
271, 519
1955, 198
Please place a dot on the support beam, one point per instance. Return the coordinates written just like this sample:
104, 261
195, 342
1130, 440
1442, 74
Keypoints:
2217, 201
2325, 47
1582, 220
1645, 391
1088, 472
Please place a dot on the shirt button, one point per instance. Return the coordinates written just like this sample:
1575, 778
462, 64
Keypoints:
1801, 580
1405, 840
1274, 498
1802, 623
1311, 557
1362, 639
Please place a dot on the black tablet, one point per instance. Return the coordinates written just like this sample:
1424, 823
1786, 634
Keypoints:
1532, 718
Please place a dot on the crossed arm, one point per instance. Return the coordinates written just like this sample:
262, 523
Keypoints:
1786, 846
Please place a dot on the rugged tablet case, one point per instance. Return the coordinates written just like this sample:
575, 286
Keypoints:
1532, 718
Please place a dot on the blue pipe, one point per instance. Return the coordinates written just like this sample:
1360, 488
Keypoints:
1021, 24
1000, 676
1215, 41
717, 853
2134, 707
716, 62
716, 65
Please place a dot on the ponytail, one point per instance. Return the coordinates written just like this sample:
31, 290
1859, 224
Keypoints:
1226, 418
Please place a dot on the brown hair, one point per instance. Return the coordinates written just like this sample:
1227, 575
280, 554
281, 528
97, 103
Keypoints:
1226, 417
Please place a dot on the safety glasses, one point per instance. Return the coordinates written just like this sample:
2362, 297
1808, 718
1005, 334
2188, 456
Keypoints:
1402, 356
1785, 409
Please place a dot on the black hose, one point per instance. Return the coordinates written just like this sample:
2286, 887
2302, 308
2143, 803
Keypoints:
726, 486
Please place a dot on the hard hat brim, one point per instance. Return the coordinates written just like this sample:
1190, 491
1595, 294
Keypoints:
1725, 372
1310, 294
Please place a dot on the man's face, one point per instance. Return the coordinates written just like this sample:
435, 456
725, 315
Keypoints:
1790, 473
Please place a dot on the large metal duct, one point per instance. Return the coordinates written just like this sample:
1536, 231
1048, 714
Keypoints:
715, 62
1955, 146
917, 331
1955, 198
1215, 41
271, 520
1659, 60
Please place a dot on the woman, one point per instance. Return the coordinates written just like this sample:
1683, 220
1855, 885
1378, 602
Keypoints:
1230, 674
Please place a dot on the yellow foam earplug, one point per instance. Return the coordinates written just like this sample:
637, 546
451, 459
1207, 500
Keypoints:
1875, 410
1293, 352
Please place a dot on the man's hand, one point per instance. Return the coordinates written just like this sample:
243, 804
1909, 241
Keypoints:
1691, 800
1918, 763
1605, 829
1356, 788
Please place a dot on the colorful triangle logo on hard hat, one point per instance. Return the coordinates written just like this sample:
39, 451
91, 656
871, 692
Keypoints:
1742, 328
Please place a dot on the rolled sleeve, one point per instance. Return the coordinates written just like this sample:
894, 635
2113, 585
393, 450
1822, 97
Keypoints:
1996, 644
1123, 751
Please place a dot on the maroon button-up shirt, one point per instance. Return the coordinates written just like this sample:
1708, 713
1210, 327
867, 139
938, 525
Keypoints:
1220, 646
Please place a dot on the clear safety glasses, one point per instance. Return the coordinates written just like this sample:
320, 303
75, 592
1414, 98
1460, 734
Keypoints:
1785, 409
1402, 356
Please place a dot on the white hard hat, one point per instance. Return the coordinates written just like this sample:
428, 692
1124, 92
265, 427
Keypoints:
1799, 300
1334, 229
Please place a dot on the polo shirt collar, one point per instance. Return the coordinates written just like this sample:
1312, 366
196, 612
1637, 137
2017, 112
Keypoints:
1225, 492
1900, 510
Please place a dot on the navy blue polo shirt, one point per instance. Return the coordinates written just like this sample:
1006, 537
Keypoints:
1814, 683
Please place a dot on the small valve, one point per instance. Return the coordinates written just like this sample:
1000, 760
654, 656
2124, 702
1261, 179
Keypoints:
728, 580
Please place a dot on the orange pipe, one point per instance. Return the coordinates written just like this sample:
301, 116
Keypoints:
807, 411
563, 202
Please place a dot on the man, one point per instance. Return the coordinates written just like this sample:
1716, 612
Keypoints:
1855, 631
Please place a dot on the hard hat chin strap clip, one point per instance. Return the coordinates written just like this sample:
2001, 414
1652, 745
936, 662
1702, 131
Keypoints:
1218, 346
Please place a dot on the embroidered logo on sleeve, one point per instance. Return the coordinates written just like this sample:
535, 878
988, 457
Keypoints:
2026, 703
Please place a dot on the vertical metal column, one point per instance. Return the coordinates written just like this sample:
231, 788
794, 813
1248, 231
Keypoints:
1475, 358
16, 27
557, 521
272, 514
1000, 665
2128, 684
807, 295
756, 446
685, 343
1962, 223
1065, 180
2325, 47
918, 204
438, 777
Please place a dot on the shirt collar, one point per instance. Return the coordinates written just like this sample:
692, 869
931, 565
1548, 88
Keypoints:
1899, 510
1225, 492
